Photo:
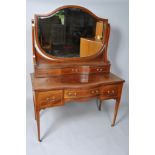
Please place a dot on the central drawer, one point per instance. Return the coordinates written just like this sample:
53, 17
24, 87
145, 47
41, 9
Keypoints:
50, 98
81, 93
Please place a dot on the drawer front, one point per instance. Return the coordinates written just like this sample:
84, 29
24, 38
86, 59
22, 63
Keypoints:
50, 98
99, 69
71, 70
81, 69
47, 72
109, 91
81, 93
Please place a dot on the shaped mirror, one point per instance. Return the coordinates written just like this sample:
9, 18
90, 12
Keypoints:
70, 32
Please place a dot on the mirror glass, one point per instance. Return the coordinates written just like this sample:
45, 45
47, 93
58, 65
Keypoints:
70, 32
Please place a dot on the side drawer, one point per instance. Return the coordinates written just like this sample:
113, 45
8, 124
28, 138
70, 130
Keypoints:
47, 72
100, 69
109, 91
50, 98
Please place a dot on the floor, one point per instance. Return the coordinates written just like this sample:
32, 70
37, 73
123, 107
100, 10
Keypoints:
78, 129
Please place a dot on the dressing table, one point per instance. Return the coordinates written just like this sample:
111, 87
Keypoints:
70, 60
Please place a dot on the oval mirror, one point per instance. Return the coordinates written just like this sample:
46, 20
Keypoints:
70, 32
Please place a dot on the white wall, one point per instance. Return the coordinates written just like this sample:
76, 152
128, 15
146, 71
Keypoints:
114, 10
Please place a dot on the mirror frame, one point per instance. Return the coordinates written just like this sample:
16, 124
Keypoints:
49, 57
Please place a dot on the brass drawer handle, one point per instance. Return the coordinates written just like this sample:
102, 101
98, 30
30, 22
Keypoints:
99, 69
72, 93
112, 92
75, 70
50, 99
94, 91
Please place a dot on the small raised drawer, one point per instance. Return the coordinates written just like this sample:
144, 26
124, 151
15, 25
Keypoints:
47, 72
71, 70
99, 69
50, 98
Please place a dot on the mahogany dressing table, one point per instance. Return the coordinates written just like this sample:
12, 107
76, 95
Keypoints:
70, 60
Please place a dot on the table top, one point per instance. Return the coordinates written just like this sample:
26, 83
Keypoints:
73, 81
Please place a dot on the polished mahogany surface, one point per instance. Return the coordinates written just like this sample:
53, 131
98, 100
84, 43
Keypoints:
74, 81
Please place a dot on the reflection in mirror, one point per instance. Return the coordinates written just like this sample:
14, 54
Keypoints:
70, 32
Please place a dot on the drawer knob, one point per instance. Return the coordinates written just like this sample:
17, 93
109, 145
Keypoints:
97, 91
92, 91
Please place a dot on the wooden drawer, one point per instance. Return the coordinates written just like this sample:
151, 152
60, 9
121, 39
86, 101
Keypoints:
80, 69
109, 91
47, 72
50, 98
81, 93
71, 70
99, 69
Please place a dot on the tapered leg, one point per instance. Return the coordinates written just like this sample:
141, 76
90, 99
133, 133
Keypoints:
100, 104
38, 124
116, 111
34, 108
